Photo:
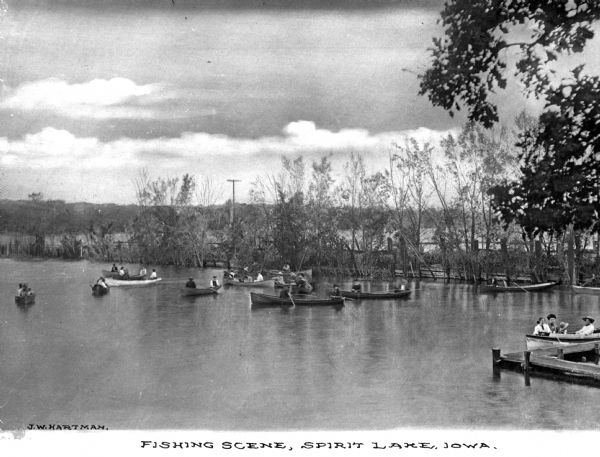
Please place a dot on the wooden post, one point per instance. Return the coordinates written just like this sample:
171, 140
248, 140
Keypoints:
560, 353
526, 366
496, 363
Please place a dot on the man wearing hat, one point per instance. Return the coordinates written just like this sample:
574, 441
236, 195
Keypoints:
588, 328
191, 284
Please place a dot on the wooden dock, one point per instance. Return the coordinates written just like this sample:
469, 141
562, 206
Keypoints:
573, 363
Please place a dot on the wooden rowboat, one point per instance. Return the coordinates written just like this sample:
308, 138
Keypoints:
131, 282
374, 295
558, 339
298, 300
586, 290
516, 288
25, 299
98, 290
195, 291
238, 283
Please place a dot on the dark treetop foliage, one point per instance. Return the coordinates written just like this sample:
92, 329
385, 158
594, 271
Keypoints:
560, 156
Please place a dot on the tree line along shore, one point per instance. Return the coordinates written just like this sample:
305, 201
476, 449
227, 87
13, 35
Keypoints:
433, 212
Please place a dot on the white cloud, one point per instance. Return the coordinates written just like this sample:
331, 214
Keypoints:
52, 148
100, 98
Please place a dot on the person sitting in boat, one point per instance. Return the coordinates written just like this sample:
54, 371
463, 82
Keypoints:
279, 277
588, 328
303, 285
20, 290
190, 283
336, 291
143, 271
153, 275
356, 287
28, 290
541, 328
101, 282
214, 282
114, 269
121, 271
259, 277
286, 268
494, 282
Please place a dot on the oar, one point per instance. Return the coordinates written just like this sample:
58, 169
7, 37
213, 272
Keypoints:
290, 295
520, 286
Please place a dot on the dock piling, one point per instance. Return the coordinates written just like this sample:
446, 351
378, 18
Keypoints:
526, 366
496, 363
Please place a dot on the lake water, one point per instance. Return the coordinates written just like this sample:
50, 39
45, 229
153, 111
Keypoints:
148, 358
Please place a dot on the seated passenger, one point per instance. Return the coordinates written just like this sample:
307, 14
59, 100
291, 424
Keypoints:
20, 290
259, 277
121, 271
214, 282
588, 328
153, 275
101, 282
114, 268
356, 287
541, 328
143, 271
336, 291
190, 283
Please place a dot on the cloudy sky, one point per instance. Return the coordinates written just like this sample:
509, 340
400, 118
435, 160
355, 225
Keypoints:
93, 91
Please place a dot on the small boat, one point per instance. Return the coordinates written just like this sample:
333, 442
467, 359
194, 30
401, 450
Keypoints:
516, 288
194, 291
296, 289
297, 300
586, 290
287, 274
25, 299
98, 290
558, 339
131, 282
374, 295
237, 282
116, 275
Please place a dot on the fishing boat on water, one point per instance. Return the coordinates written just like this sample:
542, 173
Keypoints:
248, 283
375, 295
195, 291
25, 299
586, 290
131, 282
558, 339
296, 300
98, 290
516, 287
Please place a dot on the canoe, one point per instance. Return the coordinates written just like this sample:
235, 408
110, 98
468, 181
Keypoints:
194, 291
286, 274
556, 339
25, 299
98, 290
131, 282
116, 275
519, 288
374, 295
238, 283
586, 290
298, 300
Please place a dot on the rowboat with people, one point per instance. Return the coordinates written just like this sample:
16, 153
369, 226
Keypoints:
117, 275
374, 295
248, 283
25, 299
131, 282
558, 339
295, 300
586, 290
516, 287
287, 274
195, 291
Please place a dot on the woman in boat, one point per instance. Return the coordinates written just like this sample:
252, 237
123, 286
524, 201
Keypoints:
259, 277
122, 271
143, 271
214, 282
190, 283
588, 328
153, 275
541, 328
101, 282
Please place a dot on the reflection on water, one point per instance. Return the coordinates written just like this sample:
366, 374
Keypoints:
149, 358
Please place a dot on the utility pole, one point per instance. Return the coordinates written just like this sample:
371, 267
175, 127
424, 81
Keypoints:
232, 212
232, 215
